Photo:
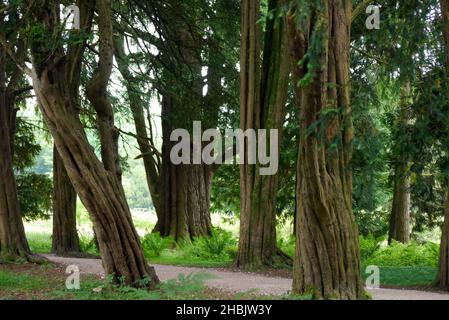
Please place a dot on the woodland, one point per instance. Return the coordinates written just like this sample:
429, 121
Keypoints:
92, 90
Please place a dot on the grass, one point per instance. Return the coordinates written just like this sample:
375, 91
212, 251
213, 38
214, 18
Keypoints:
412, 265
25, 282
40, 242
28, 282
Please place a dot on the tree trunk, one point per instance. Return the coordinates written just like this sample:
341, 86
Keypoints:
97, 184
442, 280
400, 211
327, 260
13, 243
65, 236
146, 144
262, 101
185, 191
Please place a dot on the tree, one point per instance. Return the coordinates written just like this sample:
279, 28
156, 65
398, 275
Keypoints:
263, 96
13, 243
55, 78
327, 261
149, 153
187, 43
443, 266
65, 239
400, 212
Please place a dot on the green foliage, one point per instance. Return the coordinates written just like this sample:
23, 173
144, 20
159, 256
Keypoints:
26, 146
287, 245
87, 243
401, 255
186, 287
153, 244
368, 246
34, 192
220, 244
407, 276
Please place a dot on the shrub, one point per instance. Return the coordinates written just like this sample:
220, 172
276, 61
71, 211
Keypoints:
220, 244
288, 245
87, 243
368, 246
153, 244
405, 255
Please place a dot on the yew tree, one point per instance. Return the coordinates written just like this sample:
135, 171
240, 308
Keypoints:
13, 243
263, 96
56, 68
327, 260
442, 279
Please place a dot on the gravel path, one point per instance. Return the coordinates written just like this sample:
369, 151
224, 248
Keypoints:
243, 282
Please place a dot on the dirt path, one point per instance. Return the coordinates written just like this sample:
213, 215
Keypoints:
243, 282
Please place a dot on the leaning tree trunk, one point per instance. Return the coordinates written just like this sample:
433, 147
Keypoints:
13, 243
144, 141
65, 239
442, 279
262, 100
185, 191
400, 211
327, 261
97, 184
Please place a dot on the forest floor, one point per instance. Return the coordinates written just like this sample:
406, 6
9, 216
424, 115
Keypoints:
243, 282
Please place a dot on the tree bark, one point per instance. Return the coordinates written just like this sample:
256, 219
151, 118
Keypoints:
442, 279
327, 260
13, 242
97, 184
185, 191
263, 97
400, 211
65, 239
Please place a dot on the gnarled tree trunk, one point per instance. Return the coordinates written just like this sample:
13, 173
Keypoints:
13, 243
65, 239
263, 97
97, 184
327, 261
185, 191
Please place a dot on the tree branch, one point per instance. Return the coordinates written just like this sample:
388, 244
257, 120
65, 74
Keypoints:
360, 9
20, 64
